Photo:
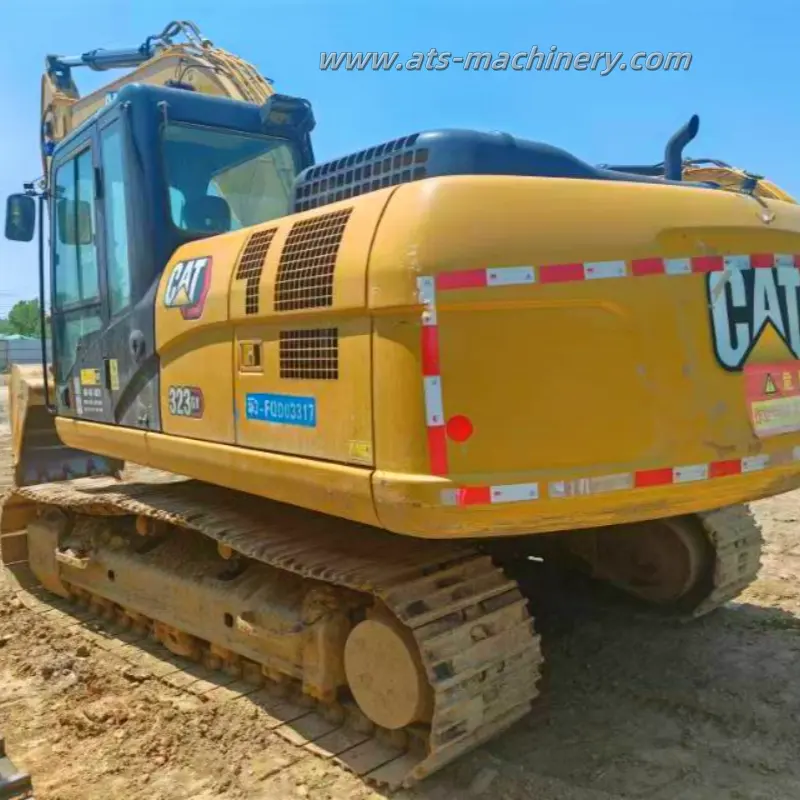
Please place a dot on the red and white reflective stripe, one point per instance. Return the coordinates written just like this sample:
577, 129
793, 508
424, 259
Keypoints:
603, 484
435, 420
594, 270
489, 495
431, 378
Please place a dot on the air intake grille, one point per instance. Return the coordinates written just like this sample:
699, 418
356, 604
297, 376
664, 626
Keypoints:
310, 354
388, 164
308, 259
251, 266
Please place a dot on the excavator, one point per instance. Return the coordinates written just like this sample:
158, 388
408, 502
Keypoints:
362, 395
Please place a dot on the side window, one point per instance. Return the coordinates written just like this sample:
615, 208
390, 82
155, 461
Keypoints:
176, 204
119, 277
75, 279
76, 294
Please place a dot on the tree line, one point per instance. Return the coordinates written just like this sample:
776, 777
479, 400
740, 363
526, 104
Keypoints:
23, 319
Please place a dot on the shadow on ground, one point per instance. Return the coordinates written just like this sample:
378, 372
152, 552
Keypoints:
636, 706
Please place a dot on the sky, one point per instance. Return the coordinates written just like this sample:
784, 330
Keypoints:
742, 81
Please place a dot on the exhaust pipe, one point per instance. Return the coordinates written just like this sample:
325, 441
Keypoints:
673, 154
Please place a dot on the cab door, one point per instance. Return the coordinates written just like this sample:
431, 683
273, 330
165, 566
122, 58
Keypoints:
103, 332
78, 290
130, 364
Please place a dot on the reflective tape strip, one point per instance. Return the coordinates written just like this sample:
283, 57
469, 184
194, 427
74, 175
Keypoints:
479, 278
754, 463
489, 495
585, 486
510, 276
721, 469
426, 290
434, 406
430, 368
603, 484
787, 260
515, 492
687, 474
461, 279
431, 377
678, 266
561, 273
605, 269
430, 351
590, 270
708, 263
743, 262
437, 450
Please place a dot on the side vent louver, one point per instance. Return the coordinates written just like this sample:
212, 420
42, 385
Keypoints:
310, 354
308, 259
251, 266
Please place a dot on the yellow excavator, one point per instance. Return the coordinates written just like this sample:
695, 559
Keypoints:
371, 389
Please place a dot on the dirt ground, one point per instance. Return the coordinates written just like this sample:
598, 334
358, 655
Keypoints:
631, 707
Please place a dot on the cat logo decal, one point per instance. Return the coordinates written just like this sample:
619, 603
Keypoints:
187, 286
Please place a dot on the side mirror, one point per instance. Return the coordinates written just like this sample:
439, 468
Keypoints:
74, 222
282, 111
20, 217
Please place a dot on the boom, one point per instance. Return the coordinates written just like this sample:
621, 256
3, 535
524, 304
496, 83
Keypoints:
194, 64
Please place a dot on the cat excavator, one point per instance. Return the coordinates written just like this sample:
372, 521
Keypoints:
362, 395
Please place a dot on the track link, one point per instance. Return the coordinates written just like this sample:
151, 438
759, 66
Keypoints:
475, 636
737, 541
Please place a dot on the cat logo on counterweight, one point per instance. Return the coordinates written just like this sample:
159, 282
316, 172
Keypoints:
744, 303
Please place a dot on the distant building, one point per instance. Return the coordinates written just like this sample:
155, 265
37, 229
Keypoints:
16, 349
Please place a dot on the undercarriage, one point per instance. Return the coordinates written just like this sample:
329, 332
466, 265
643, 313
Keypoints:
403, 654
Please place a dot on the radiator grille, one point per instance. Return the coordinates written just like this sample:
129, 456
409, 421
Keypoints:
388, 164
251, 266
310, 354
308, 259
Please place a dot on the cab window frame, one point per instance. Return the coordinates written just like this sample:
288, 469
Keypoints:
115, 125
70, 159
92, 311
189, 234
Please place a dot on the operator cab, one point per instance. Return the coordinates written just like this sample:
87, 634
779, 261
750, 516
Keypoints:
154, 169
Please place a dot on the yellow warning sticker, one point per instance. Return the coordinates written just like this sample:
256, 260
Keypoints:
769, 385
113, 374
90, 377
360, 451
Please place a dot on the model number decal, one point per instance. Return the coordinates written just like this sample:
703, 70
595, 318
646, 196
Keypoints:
185, 401
282, 409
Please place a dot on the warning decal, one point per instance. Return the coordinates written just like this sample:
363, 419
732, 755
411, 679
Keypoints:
773, 397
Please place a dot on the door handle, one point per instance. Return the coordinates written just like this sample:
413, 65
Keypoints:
137, 345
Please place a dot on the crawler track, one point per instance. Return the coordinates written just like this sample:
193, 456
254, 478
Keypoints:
471, 623
737, 541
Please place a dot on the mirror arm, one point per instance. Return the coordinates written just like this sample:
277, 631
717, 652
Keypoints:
42, 316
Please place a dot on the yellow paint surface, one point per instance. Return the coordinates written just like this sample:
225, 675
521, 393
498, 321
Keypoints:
565, 384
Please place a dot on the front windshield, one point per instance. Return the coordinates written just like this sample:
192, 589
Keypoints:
220, 180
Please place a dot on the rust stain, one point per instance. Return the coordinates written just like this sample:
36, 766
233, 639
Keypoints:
721, 450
